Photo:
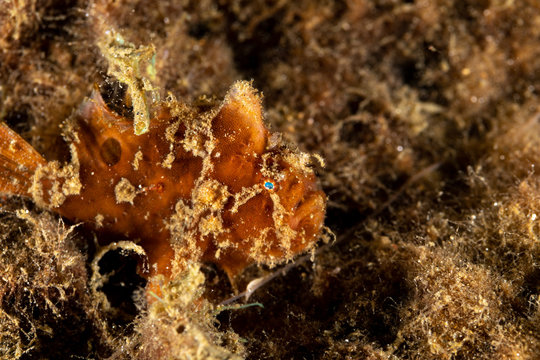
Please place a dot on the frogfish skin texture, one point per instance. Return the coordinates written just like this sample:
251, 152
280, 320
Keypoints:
205, 183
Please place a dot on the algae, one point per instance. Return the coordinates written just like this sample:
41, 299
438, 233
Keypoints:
441, 92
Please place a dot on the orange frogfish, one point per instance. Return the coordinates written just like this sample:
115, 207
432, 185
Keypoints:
205, 183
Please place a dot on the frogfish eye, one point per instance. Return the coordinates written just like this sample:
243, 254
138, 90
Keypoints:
269, 185
110, 151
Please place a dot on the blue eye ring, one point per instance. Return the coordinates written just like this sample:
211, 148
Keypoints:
268, 185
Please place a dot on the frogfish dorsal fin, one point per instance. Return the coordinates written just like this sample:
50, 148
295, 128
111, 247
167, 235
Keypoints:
95, 113
239, 125
18, 163
100, 135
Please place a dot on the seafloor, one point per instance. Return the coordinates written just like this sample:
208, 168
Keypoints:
427, 114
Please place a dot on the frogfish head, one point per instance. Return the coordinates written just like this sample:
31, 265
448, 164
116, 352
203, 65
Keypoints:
277, 207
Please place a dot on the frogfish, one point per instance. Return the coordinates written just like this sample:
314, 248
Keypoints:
207, 182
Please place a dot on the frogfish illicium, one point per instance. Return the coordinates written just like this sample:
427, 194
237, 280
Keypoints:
205, 183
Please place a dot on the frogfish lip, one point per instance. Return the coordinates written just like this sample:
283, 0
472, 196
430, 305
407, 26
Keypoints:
308, 217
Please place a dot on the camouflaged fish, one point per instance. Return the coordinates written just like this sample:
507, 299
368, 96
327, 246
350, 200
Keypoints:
205, 183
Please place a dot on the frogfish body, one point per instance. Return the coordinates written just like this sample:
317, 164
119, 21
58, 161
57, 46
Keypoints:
203, 184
